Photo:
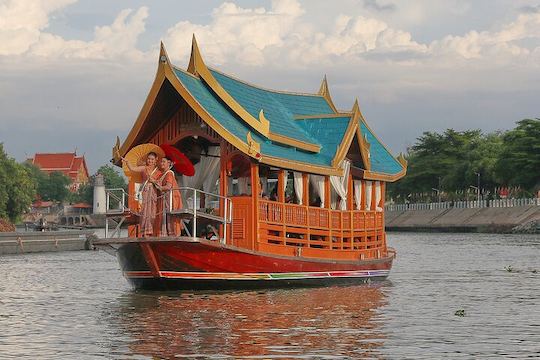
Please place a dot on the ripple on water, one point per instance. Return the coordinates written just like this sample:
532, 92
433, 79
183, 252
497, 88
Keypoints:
77, 305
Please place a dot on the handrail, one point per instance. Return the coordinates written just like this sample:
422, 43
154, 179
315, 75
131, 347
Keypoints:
227, 208
333, 229
121, 199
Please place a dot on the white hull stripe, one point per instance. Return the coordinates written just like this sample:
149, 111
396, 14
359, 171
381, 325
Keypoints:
257, 276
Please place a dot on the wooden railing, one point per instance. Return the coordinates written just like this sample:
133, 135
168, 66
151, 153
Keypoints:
297, 226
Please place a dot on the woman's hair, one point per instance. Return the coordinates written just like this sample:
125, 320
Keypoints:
152, 153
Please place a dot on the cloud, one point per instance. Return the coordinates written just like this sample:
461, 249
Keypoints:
530, 9
262, 37
23, 25
496, 47
375, 5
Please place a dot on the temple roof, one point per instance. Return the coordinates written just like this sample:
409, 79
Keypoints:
67, 163
299, 131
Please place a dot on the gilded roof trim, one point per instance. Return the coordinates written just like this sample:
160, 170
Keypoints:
324, 91
163, 60
261, 125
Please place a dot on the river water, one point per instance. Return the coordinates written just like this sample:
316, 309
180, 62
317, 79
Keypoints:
76, 305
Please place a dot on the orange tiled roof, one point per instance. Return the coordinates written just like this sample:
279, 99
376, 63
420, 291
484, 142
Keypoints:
54, 162
81, 206
66, 163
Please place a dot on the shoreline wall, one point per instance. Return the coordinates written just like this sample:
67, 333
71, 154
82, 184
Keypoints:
34, 241
495, 220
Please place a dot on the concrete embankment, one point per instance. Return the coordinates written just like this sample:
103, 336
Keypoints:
27, 242
497, 220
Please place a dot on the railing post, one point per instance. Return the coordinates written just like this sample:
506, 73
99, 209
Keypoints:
194, 214
225, 206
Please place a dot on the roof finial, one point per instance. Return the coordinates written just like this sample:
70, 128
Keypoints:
163, 56
195, 60
324, 91
356, 110
356, 107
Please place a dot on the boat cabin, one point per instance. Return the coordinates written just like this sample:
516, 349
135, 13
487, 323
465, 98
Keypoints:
277, 172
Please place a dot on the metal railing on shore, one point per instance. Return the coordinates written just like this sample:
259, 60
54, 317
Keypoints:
498, 203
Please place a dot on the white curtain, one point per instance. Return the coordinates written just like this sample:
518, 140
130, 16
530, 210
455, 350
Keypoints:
368, 195
264, 187
358, 193
243, 188
339, 183
206, 172
298, 186
210, 169
333, 198
318, 185
378, 195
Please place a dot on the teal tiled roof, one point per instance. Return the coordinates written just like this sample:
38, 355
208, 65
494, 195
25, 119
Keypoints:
329, 132
381, 159
237, 127
280, 110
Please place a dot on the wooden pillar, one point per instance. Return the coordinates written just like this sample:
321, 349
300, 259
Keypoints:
350, 193
327, 206
255, 196
281, 199
223, 188
327, 192
281, 186
305, 195
133, 204
305, 201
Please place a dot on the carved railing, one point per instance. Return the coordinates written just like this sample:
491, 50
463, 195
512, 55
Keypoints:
307, 226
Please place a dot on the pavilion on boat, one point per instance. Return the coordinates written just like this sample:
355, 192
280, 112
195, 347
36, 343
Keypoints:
304, 178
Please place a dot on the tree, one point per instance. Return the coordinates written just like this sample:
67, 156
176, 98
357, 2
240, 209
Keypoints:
519, 161
17, 187
111, 177
55, 187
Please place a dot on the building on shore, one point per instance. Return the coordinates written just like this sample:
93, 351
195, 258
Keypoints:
68, 164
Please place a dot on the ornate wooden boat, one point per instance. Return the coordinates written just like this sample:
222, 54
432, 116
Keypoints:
288, 190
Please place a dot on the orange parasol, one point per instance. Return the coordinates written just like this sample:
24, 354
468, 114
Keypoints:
137, 157
181, 163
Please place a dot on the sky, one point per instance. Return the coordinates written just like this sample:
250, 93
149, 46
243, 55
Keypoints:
75, 74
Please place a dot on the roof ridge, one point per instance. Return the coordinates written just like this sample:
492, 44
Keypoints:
264, 88
323, 116
185, 72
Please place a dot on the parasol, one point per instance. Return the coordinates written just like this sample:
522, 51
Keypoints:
137, 157
181, 163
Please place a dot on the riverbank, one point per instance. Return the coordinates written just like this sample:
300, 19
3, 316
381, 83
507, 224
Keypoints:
33, 241
518, 219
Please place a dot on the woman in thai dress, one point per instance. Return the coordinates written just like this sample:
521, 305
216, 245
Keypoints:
172, 226
150, 174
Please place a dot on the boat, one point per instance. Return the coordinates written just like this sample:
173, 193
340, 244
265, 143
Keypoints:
288, 190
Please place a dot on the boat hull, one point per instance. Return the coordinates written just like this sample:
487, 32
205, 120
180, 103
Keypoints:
188, 264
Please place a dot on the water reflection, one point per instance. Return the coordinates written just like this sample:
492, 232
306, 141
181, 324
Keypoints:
301, 323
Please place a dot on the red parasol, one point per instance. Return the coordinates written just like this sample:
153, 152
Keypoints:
181, 163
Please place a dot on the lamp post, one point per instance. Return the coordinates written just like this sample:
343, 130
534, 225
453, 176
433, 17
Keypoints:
438, 194
478, 187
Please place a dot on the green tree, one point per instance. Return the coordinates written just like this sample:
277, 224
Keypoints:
55, 187
17, 187
111, 177
519, 161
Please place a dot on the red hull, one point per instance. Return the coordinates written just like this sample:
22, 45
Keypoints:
207, 264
